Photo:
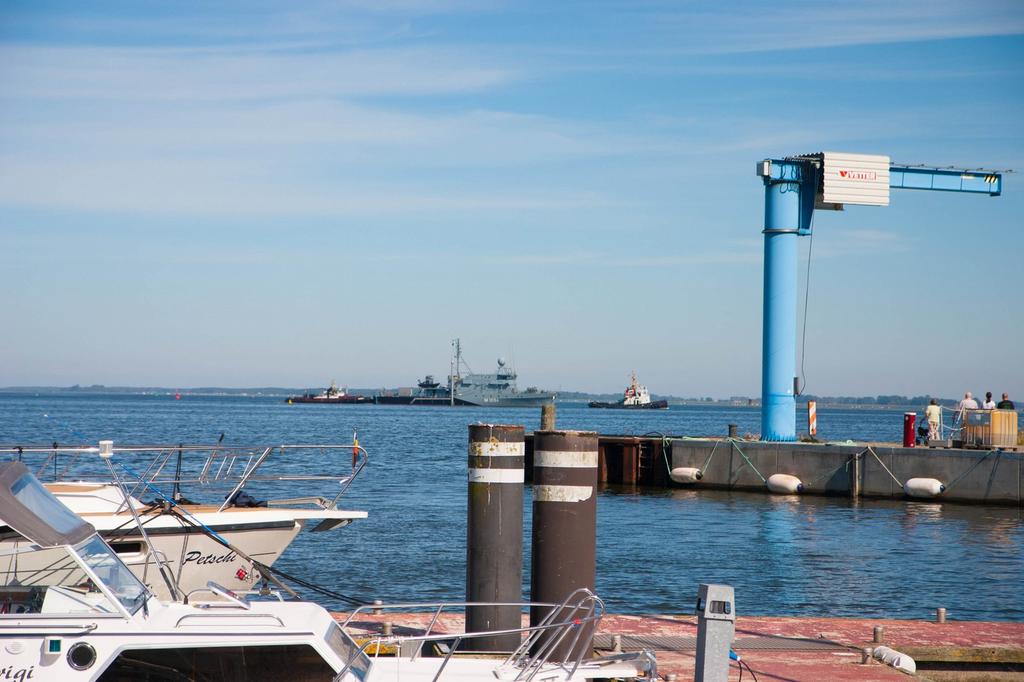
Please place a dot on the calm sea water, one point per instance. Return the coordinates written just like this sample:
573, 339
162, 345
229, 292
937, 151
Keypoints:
784, 555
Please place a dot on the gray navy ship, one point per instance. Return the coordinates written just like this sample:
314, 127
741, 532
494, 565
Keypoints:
468, 388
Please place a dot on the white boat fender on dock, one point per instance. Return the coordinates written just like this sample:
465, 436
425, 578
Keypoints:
923, 487
686, 474
784, 484
896, 659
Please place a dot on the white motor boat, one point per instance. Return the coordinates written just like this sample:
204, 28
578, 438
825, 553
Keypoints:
72, 610
225, 540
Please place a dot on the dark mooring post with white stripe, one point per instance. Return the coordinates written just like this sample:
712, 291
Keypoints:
494, 533
564, 523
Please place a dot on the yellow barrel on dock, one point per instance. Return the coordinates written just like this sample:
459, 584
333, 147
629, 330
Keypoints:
990, 428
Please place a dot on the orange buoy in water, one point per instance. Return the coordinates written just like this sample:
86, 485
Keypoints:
177, 396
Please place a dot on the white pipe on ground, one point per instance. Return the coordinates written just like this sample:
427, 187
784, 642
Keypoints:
898, 660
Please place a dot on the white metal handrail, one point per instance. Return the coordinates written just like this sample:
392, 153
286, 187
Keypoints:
197, 465
580, 611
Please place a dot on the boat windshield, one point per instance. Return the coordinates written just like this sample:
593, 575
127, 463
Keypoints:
98, 556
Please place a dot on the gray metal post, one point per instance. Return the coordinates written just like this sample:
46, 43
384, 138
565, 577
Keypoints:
856, 464
732, 431
547, 417
716, 628
564, 555
494, 533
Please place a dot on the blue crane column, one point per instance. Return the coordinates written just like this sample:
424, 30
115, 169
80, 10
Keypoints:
783, 188
790, 189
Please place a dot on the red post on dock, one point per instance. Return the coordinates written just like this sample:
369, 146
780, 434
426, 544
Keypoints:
909, 422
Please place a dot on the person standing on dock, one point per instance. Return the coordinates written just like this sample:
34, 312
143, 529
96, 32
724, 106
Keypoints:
933, 413
1006, 403
989, 404
968, 403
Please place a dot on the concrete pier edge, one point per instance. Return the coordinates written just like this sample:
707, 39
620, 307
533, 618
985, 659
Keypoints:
856, 470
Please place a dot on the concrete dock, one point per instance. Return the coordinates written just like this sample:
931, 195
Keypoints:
793, 649
856, 470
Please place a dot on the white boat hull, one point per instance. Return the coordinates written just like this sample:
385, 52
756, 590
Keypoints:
194, 558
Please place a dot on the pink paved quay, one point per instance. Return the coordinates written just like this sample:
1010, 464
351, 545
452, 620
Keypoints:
795, 649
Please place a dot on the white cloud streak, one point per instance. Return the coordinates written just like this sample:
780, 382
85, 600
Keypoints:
762, 27
228, 189
219, 74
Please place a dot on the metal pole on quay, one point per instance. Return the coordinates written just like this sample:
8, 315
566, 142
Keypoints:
494, 533
564, 549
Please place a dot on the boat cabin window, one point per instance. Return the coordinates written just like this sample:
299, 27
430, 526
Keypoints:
30, 492
126, 547
267, 662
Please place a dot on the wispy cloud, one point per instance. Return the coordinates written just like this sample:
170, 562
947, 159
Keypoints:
230, 189
268, 24
807, 24
191, 74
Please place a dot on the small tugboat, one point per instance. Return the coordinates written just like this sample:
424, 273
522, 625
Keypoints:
636, 397
331, 395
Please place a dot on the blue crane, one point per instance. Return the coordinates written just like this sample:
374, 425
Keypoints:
793, 188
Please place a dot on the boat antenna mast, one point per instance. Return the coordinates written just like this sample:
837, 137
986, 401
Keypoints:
106, 452
512, 361
453, 370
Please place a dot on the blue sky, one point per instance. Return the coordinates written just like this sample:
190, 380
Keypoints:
257, 193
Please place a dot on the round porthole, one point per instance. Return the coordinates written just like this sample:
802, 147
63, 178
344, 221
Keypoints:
81, 656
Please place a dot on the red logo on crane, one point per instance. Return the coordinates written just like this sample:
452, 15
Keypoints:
858, 175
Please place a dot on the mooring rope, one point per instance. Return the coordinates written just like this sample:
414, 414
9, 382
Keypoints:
272, 573
708, 460
666, 443
872, 451
267, 572
732, 442
969, 470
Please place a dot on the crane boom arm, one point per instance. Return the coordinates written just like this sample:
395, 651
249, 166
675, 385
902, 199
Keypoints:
946, 180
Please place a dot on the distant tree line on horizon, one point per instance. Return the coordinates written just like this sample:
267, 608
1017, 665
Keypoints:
801, 399
876, 400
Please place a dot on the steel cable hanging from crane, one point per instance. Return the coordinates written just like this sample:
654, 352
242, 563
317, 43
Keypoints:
807, 295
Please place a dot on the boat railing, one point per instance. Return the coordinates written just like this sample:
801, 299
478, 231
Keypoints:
163, 469
565, 624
